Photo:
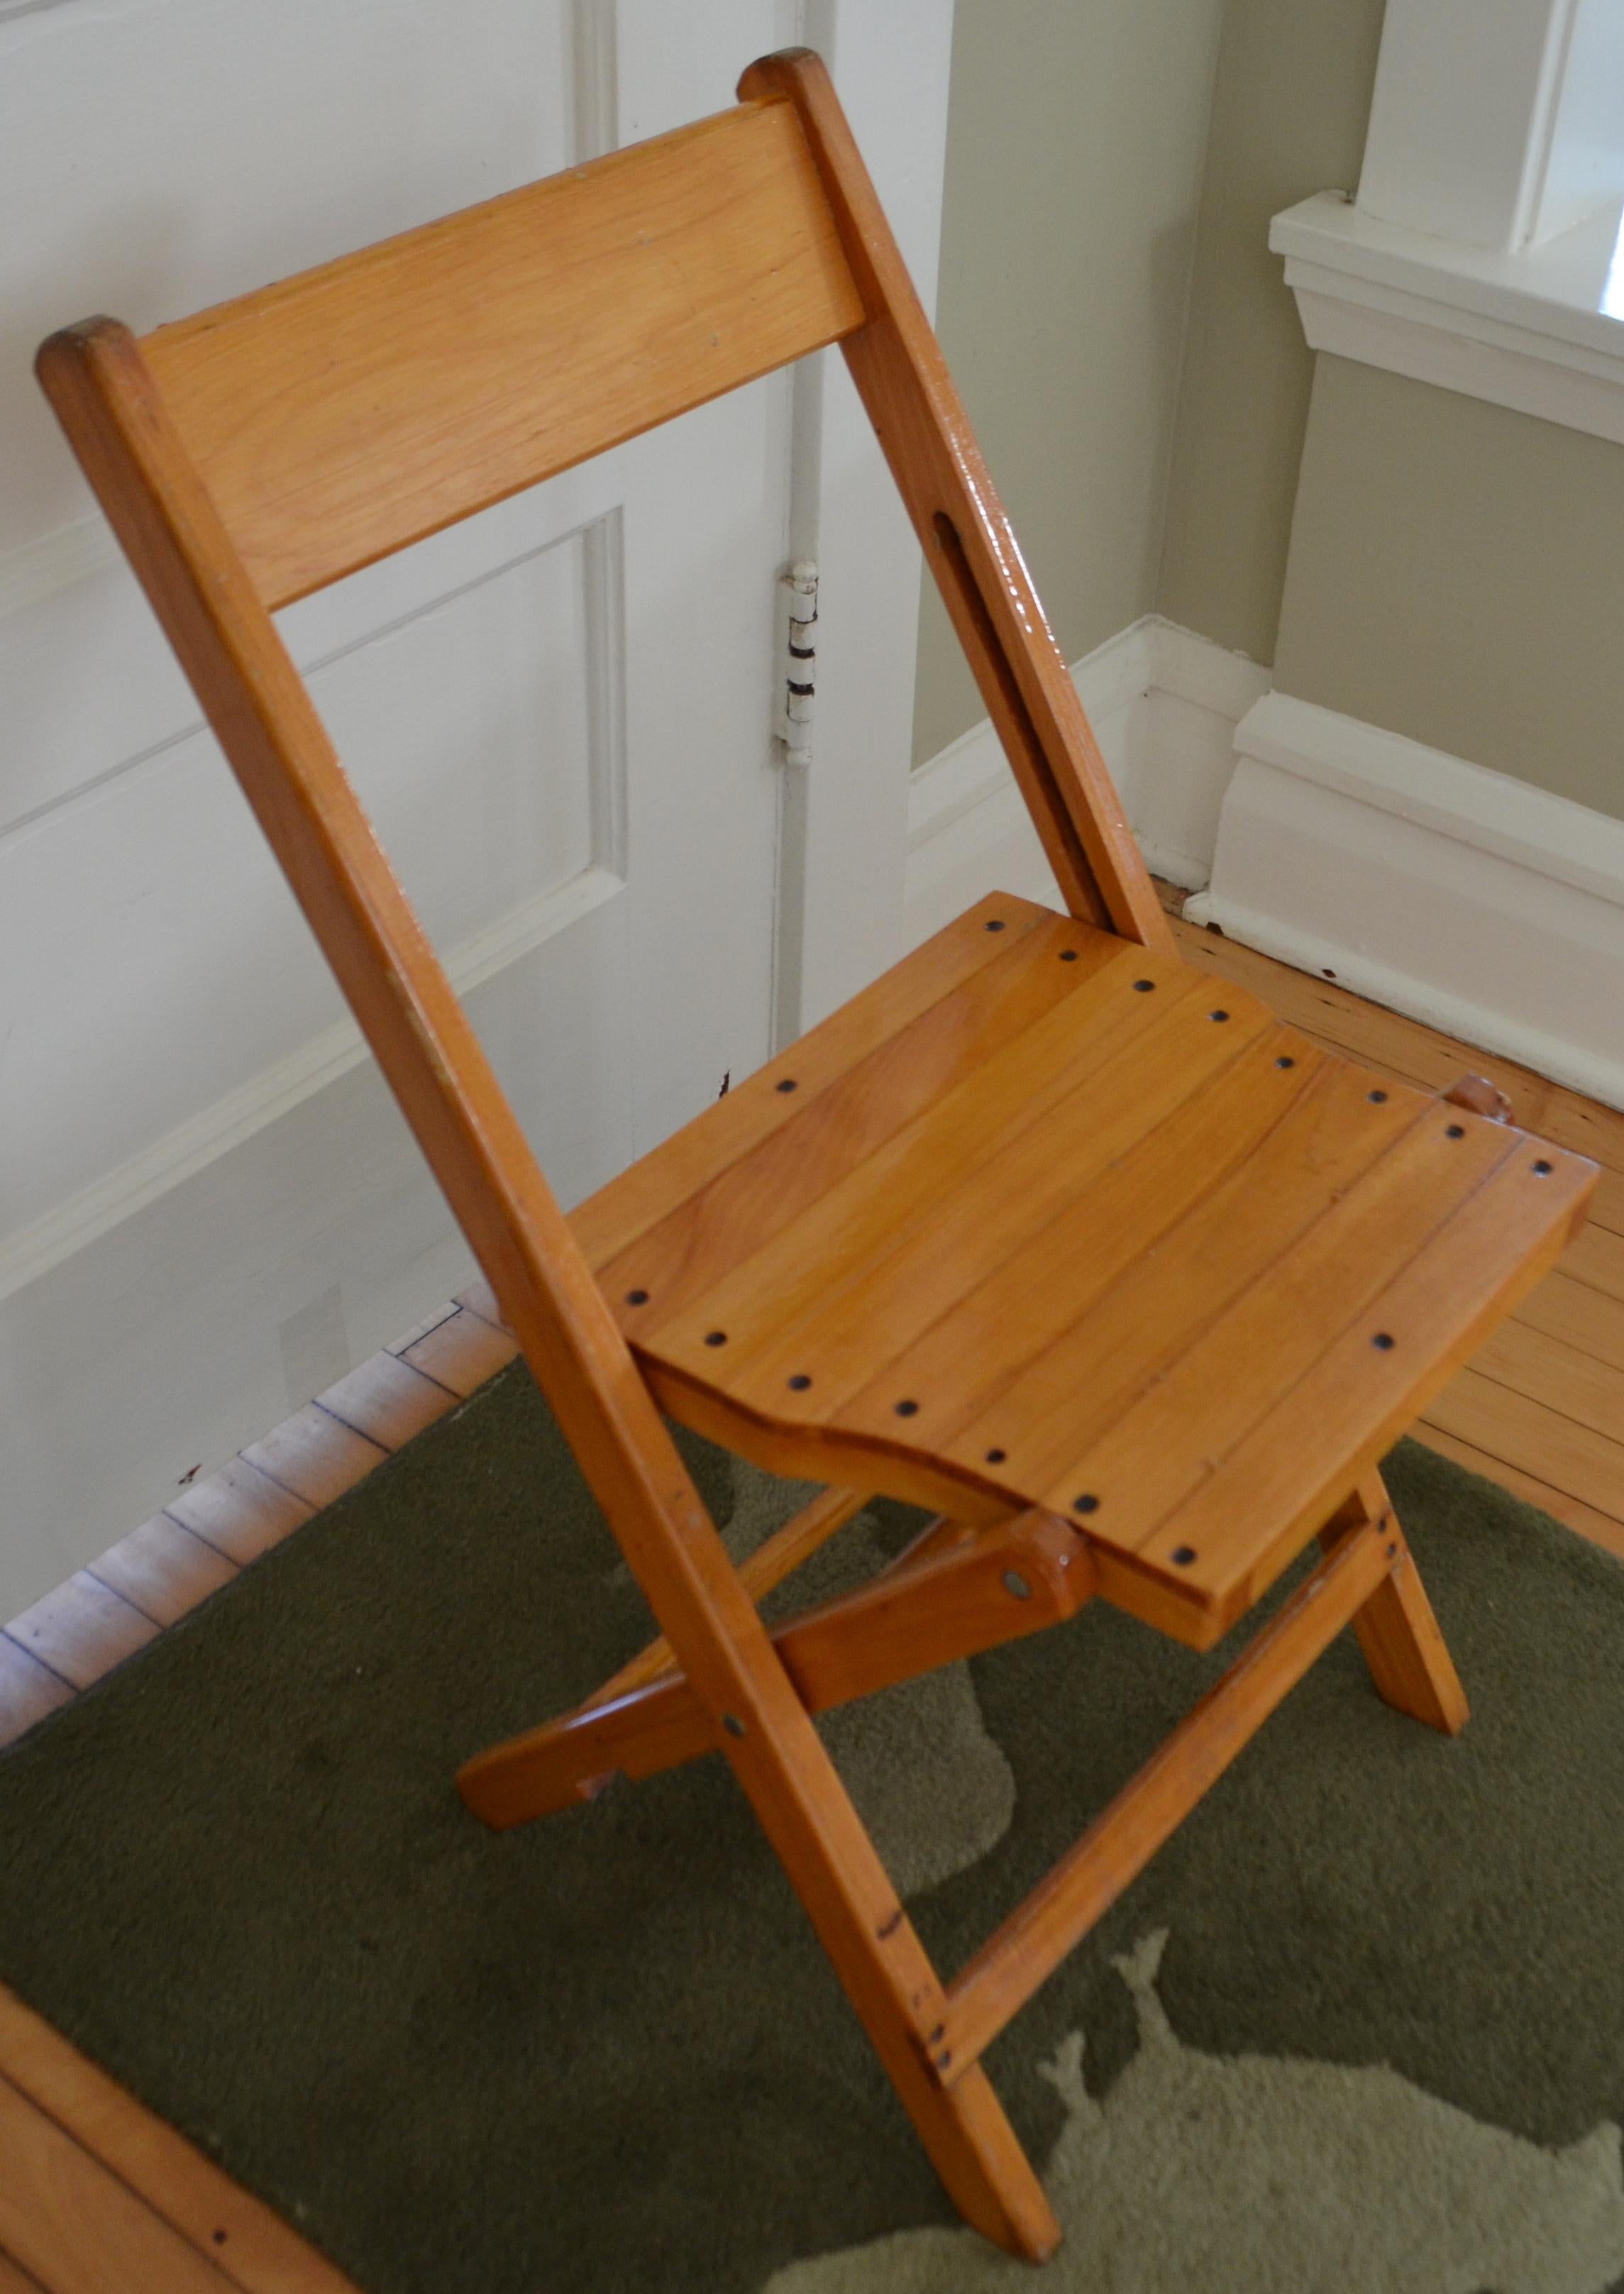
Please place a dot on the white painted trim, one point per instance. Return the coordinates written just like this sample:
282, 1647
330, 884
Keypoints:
1164, 704
1497, 130
35, 570
1469, 900
1541, 332
69, 1226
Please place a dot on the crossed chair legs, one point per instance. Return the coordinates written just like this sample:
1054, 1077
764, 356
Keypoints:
954, 1592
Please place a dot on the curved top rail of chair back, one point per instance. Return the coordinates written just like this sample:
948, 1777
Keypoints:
484, 352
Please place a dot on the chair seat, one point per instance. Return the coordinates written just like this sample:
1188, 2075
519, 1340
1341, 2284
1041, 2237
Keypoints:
1039, 1220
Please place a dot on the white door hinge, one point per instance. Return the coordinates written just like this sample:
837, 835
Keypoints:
798, 651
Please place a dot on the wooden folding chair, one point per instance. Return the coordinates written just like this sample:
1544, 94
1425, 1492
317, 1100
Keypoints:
1134, 1284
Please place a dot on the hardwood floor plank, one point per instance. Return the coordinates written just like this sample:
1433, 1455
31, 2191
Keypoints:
1560, 1375
251, 2245
73, 2226
479, 1298
239, 1510
1597, 1257
315, 1456
462, 1352
387, 1399
1566, 1308
163, 1570
1534, 1438
28, 1690
82, 1629
1600, 1528
408, 1338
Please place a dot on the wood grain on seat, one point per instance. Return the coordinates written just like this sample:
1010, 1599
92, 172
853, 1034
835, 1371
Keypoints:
1049, 1224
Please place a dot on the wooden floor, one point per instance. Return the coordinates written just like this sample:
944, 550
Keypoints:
96, 2197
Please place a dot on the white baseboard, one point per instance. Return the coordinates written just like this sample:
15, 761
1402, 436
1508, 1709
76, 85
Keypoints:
1164, 704
1467, 899
1456, 895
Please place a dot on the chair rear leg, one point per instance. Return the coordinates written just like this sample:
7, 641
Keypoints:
1409, 1659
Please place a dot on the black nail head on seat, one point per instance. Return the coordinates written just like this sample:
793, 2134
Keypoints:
1086, 1503
1376, 1098
1285, 1063
1542, 1170
1385, 1340
715, 1337
1068, 955
800, 1381
996, 1457
1456, 1131
996, 924
1143, 987
637, 1297
907, 1408
1184, 1555
788, 1084
1217, 1015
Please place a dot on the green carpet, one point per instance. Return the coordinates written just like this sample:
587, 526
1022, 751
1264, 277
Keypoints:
1361, 2025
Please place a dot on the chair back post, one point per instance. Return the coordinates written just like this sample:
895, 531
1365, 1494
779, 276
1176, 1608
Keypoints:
256, 701
903, 380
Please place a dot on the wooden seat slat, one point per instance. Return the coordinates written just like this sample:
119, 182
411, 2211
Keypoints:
877, 1301
661, 1181
1017, 1087
1356, 1397
1124, 1338
1154, 1453
754, 1198
1037, 1293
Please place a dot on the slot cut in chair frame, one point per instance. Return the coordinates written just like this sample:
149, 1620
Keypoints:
255, 453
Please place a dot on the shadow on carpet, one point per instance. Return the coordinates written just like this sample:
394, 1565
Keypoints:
605, 2052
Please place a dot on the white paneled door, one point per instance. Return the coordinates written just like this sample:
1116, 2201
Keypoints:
559, 714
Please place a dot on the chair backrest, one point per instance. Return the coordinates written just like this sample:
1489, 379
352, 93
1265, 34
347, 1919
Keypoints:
248, 455
343, 413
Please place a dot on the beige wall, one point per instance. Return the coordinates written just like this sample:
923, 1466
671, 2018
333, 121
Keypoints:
1289, 111
1457, 575
1455, 571
1073, 168
1149, 463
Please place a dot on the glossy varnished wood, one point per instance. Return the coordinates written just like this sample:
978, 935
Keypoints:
1494, 1421
98, 2196
903, 379
973, 1595
1022, 1954
1099, 1253
483, 353
127, 439
995, 1100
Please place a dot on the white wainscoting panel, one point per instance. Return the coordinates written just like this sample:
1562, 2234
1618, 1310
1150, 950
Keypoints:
195, 1154
1485, 907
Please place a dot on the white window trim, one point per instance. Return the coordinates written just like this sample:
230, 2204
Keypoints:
1461, 263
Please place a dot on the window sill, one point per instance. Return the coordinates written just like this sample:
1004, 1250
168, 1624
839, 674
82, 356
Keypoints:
1541, 331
